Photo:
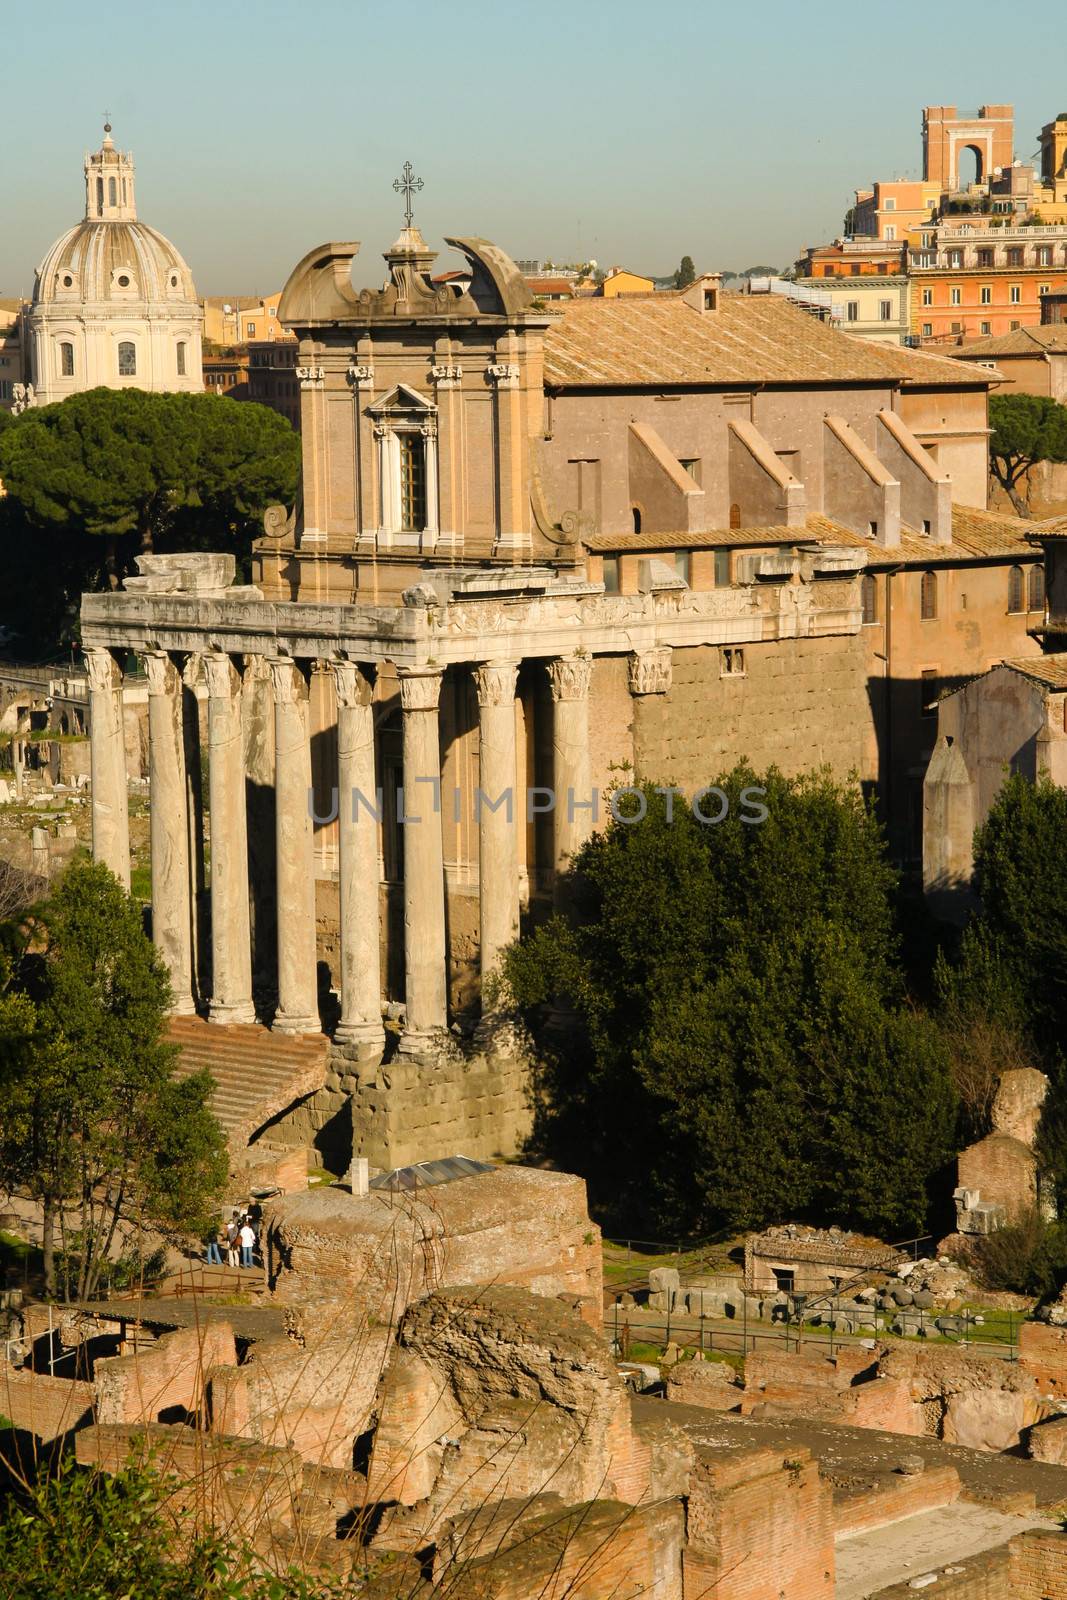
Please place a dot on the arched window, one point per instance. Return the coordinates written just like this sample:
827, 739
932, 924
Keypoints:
112, 192
127, 359
100, 197
928, 597
869, 597
1036, 587
66, 360
636, 510
735, 516
1015, 589
181, 358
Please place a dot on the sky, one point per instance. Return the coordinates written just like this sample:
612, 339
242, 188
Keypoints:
629, 132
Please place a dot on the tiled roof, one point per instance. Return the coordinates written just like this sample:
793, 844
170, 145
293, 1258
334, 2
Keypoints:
660, 340
976, 536
1048, 670
1020, 342
1051, 528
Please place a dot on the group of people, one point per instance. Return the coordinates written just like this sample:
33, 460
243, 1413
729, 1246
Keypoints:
237, 1236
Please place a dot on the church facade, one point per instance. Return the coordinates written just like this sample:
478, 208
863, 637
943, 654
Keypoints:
114, 304
539, 553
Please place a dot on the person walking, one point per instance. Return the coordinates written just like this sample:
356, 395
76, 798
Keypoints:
247, 1237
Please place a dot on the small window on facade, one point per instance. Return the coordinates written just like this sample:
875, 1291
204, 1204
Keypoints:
611, 574
412, 483
1043, 288
872, 529
890, 233
957, 327
732, 662
251, 330
985, 258
66, 360
852, 311
723, 565
181, 358
869, 597
926, 525
985, 295
692, 466
928, 690
928, 330
1015, 294
112, 193
1012, 326
1035, 597
1044, 255
885, 310
124, 281
127, 359
955, 258
1015, 589
174, 280
99, 197
928, 297
635, 511
955, 297
1015, 256
986, 327
784, 1280
68, 281
735, 516
928, 596
681, 564
711, 299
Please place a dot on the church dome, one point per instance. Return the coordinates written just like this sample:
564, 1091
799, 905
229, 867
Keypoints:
116, 260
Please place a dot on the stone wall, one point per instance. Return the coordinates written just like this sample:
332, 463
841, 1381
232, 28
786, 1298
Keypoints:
46, 1406
164, 1382
1043, 1353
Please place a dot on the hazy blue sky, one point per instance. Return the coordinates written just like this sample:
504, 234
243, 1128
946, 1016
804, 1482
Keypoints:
630, 132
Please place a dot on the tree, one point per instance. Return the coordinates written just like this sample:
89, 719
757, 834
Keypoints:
1027, 428
759, 272
741, 1048
96, 1126
134, 468
686, 273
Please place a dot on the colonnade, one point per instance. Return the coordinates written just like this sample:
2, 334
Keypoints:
500, 812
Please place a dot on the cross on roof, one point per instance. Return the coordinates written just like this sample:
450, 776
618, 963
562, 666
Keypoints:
407, 184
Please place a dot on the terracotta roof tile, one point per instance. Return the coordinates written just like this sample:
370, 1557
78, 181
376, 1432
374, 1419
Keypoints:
1048, 670
1019, 342
660, 340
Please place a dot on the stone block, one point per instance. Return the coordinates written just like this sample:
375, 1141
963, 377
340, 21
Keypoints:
664, 1280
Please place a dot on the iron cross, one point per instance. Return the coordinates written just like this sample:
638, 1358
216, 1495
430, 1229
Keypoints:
407, 184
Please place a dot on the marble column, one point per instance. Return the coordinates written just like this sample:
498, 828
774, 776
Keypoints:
499, 812
107, 752
172, 915
425, 955
574, 816
358, 872
298, 1006
231, 948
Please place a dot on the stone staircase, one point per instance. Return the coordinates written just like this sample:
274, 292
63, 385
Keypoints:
258, 1074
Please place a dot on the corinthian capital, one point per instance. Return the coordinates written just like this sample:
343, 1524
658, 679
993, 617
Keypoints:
420, 687
568, 677
354, 685
103, 670
495, 682
160, 671
650, 671
288, 679
222, 678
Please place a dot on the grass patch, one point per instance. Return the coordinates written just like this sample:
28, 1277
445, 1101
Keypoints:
141, 883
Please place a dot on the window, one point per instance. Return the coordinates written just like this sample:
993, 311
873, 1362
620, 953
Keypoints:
986, 327
1035, 589
1012, 326
885, 310
681, 564
1044, 255
692, 466
66, 360
723, 562
928, 596
711, 299
1043, 288
783, 1280
955, 258
1015, 589
412, 483
181, 358
928, 297
985, 294
852, 311
99, 197
731, 662
869, 597
890, 205
890, 233
611, 574
927, 240
5, 388
1015, 294
928, 330
251, 330
112, 193
985, 258
127, 359
955, 296
1015, 256
929, 690
735, 515
635, 512
854, 269
124, 281
956, 327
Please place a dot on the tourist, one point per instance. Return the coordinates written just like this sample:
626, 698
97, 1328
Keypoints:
232, 1230
247, 1236
213, 1257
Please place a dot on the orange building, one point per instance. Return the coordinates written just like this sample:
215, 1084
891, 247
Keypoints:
852, 258
974, 283
890, 211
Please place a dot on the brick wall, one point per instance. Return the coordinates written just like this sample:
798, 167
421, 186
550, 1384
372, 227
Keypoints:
902, 1495
1039, 1566
1043, 1352
1003, 1170
759, 1528
43, 1405
160, 1382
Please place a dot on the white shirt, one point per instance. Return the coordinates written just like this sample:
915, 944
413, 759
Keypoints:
247, 1237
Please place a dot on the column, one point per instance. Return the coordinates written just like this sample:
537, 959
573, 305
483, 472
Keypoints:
358, 874
172, 918
194, 815
111, 825
298, 1005
650, 676
231, 948
498, 811
574, 815
425, 956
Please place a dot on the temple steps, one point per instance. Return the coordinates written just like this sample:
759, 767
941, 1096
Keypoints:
257, 1073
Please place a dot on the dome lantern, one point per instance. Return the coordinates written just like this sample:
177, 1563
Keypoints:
109, 183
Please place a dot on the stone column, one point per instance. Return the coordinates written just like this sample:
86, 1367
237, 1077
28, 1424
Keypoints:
172, 916
231, 951
425, 956
111, 824
569, 678
498, 812
298, 1006
358, 874
650, 675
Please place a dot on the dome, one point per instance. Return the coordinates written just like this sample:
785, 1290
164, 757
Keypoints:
125, 262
